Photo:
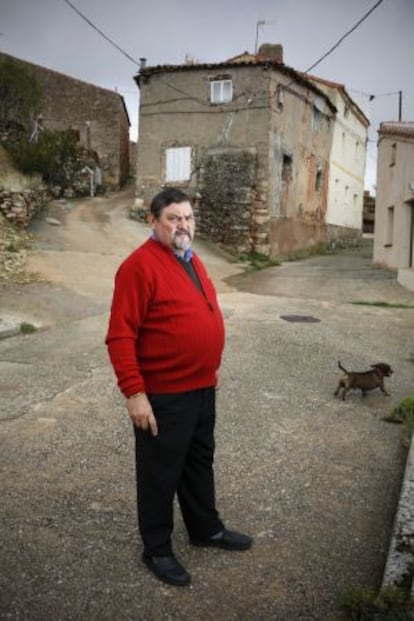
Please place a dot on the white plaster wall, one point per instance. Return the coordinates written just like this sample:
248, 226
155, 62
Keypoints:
394, 189
347, 167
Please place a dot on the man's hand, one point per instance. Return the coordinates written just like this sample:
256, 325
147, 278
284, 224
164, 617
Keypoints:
141, 414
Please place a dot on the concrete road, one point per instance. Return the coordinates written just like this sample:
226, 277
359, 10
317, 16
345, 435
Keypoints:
315, 480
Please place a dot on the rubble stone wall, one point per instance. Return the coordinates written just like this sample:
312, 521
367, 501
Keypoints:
227, 194
20, 207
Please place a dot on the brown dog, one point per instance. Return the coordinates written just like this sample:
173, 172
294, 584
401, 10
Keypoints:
364, 381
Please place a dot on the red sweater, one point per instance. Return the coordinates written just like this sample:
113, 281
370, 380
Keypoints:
164, 334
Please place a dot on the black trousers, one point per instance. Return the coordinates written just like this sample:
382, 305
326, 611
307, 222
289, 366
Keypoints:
178, 460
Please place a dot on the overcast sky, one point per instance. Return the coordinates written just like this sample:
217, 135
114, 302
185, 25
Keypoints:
377, 58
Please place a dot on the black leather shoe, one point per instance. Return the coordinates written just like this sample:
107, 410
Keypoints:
227, 540
167, 569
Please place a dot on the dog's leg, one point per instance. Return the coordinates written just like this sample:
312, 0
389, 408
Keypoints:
338, 389
382, 389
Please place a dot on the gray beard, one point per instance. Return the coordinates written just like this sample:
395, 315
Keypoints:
182, 242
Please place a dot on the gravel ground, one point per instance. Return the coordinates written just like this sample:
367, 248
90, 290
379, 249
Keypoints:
315, 480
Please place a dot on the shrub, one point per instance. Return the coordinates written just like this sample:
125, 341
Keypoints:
56, 156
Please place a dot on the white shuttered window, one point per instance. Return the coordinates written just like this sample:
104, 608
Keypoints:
178, 164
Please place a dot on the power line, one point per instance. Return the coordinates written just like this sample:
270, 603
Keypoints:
372, 95
88, 21
344, 36
337, 44
354, 27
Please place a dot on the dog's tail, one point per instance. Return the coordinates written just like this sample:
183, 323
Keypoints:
341, 367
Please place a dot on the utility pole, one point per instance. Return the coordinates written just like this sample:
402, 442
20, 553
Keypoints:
400, 105
260, 22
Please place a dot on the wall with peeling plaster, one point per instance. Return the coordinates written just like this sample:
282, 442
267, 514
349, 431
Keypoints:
244, 197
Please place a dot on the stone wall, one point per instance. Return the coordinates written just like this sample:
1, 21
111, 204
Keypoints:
227, 190
20, 207
99, 115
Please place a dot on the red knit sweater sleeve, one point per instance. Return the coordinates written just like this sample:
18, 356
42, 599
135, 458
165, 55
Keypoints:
129, 306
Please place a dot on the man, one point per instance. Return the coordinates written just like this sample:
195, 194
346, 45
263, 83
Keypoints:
165, 340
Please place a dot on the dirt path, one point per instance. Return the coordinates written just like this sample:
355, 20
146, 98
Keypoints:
83, 252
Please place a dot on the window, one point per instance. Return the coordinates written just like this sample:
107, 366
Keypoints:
279, 97
318, 179
178, 164
393, 154
316, 120
287, 168
390, 227
319, 108
221, 91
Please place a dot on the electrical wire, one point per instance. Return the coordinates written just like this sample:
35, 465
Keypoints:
88, 21
303, 74
354, 27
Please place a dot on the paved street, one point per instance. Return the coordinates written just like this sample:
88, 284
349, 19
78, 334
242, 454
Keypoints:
315, 480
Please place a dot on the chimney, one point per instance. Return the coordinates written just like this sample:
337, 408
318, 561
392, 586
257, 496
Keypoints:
271, 51
142, 63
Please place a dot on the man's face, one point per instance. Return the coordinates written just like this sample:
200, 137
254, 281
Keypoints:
175, 226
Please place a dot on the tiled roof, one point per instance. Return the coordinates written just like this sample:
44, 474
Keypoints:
341, 88
241, 60
397, 128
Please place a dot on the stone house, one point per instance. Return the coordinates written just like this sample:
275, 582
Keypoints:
344, 214
98, 115
394, 210
249, 139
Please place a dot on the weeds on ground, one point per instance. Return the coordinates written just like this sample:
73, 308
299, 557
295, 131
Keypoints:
382, 304
257, 261
391, 604
305, 253
403, 413
27, 328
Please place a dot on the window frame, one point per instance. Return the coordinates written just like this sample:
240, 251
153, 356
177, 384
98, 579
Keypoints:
213, 89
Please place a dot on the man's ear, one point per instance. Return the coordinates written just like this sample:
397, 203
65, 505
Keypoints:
151, 220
